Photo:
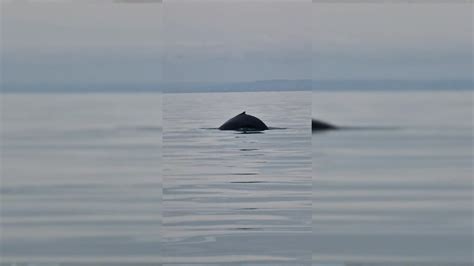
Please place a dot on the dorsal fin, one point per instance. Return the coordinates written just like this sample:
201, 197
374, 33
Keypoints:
243, 113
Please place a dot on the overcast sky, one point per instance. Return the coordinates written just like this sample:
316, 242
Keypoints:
81, 44
392, 41
185, 40
237, 41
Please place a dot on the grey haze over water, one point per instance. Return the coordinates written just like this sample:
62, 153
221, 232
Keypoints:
153, 47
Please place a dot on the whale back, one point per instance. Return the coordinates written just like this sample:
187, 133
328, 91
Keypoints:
320, 125
244, 122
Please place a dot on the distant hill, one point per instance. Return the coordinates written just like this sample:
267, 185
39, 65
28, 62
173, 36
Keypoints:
321, 85
391, 85
262, 85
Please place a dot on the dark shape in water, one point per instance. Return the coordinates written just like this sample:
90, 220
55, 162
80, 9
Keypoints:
320, 125
244, 122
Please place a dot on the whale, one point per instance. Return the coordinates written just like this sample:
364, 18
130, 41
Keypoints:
317, 125
244, 122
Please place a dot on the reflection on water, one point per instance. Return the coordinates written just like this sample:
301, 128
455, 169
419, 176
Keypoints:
237, 198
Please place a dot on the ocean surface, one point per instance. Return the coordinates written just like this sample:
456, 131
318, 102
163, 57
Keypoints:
147, 179
232, 197
397, 187
81, 178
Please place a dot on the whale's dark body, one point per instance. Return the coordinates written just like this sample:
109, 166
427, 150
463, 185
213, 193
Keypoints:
317, 125
244, 122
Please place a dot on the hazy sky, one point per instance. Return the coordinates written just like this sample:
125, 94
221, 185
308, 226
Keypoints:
81, 44
392, 41
185, 40
237, 41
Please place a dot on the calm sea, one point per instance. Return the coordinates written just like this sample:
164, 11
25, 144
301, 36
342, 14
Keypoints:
396, 188
81, 178
93, 178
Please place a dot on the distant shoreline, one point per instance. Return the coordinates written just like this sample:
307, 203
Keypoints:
264, 85
227, 91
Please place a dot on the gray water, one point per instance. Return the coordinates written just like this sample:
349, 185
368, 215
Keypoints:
232, 197
398, 193
92, 178
81, 177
